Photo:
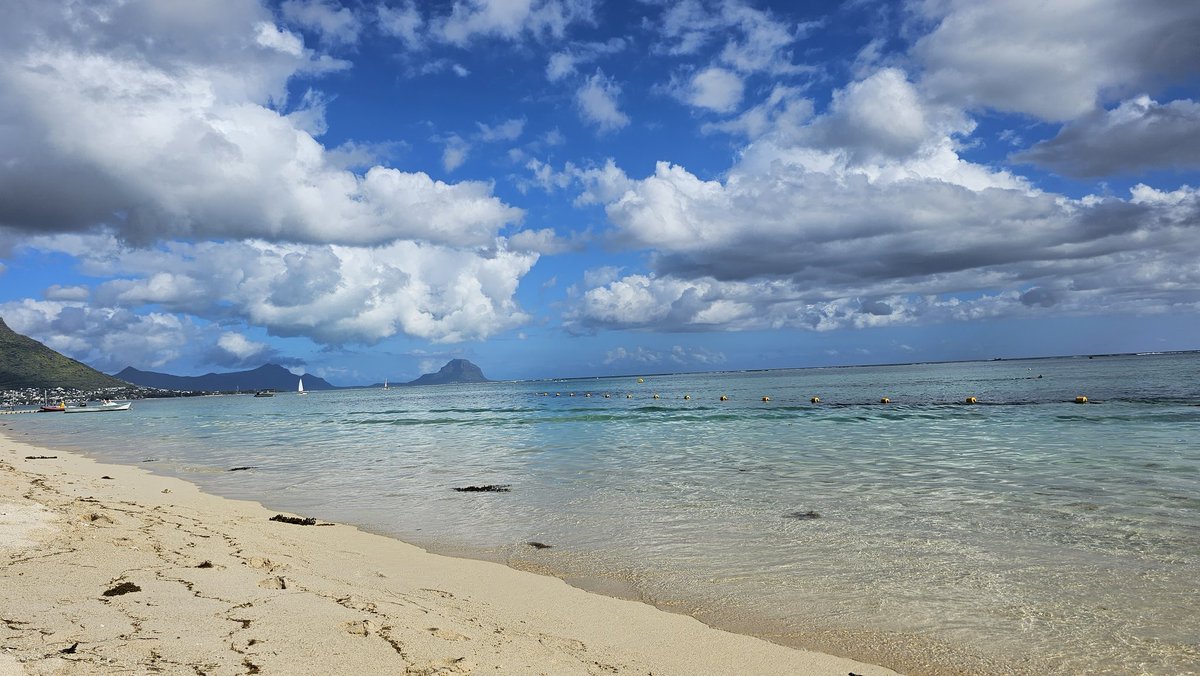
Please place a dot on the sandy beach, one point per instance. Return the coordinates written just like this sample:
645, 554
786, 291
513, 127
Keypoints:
107, 568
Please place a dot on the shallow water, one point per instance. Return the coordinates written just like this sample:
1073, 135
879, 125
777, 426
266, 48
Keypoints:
1026, 532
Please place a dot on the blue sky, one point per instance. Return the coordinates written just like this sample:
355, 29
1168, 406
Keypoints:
364, 190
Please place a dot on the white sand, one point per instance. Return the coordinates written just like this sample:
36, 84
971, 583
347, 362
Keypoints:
221, 589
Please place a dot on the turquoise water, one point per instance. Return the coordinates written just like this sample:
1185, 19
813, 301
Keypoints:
1024, 533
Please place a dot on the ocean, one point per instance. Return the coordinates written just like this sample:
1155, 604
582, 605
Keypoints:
1024, 533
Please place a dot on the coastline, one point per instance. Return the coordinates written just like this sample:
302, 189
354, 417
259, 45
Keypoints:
111, 568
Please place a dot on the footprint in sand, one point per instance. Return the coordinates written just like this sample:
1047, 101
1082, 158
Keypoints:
448, 635
95, 518
264, 564
357, 603
359, 627
273, 583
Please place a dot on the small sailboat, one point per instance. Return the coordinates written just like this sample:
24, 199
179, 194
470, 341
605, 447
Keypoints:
300, 387
385, 385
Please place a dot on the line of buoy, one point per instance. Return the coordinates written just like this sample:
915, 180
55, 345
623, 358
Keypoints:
1081, 399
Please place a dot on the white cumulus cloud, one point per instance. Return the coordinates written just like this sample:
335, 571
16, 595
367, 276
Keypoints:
214, 156
716, 89
597, 101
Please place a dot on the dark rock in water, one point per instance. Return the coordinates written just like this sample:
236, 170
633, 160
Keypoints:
803, 516
539, 545
294, 520
489, 488
123, 588
41, 457
240, 469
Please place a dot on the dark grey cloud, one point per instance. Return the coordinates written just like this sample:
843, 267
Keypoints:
1039, 296
877, 308
1139, 135
1054, 60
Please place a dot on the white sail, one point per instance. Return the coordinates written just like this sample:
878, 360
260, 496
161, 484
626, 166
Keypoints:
300, 387
385, 383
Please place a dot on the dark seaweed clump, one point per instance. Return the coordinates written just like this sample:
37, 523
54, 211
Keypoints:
295, 520
804, 516
123, 588
489, 488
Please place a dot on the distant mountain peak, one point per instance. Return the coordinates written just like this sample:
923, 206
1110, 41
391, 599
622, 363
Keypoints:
455, 371
267, 376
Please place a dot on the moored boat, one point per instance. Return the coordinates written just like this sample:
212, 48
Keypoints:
102, 408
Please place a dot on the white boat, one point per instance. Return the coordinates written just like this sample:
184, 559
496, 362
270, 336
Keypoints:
300, 387
385, 383
102, 408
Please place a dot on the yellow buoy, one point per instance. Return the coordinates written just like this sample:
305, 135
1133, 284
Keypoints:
885, 400
766, 399
1081, 399
815, 400
972, 400
724, 398
640, 380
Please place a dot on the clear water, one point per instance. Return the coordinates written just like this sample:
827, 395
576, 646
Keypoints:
1024, 533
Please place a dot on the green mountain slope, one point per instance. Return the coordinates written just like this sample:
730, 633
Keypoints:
26, 363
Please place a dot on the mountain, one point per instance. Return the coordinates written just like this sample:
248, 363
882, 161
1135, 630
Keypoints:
455, 371
26, 363
266, 377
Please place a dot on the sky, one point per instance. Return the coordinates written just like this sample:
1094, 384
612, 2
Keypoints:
364, 190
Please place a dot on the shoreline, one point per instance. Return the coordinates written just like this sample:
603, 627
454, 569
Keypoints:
109, 568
